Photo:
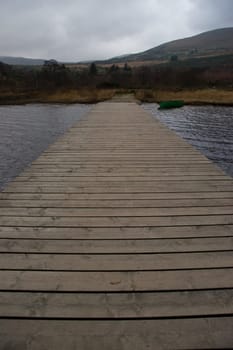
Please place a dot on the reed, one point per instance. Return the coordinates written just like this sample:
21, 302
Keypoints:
79, 96
202, 96
58, 96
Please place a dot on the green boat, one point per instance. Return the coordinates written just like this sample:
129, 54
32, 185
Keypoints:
171, 104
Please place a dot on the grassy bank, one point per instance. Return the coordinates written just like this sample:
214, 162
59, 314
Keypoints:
61, 96
192, 97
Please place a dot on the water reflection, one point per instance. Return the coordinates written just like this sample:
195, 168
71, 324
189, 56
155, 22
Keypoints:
208, 128
26, 131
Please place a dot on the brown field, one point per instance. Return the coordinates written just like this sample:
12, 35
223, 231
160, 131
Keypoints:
67, 96
132, 64
79, 96
204, 96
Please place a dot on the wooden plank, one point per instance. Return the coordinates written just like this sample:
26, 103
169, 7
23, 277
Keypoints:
120, 156
154, 153
122, 233
116, 305
126, 203
88, 175
109, 171
88, 169
116, 281
79, 188
117, 246
121, 160
76, 176
115, 262
116, 212
125, 163
53, 221
126, 186
114, 196
192, 333
136, 335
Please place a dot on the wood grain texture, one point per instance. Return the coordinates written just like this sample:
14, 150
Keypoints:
187, 333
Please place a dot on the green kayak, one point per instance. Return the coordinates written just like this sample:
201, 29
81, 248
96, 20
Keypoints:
171, 104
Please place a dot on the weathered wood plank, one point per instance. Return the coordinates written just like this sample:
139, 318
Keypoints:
124, 187
114, 196
117, 246
126, 203
115, 262
122, 233
116, 212
192, 333
116, 281
116, 305
126, 165
99, 179
62, 221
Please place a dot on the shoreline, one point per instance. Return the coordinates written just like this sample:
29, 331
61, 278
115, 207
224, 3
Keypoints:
87, 96
215, 97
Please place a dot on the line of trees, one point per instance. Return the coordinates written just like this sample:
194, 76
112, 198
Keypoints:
53, 75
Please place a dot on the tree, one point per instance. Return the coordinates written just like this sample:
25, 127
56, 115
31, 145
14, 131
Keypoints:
93, 69
126, 67
54, 74
174, 58
5, 69
113, 68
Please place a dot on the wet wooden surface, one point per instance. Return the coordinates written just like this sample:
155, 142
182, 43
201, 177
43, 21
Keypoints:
119, 236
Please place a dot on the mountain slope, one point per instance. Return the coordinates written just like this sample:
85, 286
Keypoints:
21, 61
214, 42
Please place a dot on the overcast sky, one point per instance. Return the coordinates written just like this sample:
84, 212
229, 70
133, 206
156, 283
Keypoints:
74, 30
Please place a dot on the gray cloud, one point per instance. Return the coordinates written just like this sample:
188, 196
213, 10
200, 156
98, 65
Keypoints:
94, 29
210, 14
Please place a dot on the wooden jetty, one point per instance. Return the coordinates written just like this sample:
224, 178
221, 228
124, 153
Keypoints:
119, 236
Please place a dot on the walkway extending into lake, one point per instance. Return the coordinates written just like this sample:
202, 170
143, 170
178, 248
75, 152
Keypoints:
119, 236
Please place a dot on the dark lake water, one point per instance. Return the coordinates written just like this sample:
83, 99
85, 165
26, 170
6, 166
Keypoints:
207, 128
26, 131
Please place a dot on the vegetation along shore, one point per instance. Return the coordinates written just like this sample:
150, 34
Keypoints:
190, 97
201, 80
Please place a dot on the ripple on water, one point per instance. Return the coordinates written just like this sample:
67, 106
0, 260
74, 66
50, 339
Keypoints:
207, 128
26, 131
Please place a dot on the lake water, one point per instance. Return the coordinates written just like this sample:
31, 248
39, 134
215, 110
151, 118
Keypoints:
207, 128
26, 131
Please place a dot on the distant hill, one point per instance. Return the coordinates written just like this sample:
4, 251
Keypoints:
214, 42
21, 61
